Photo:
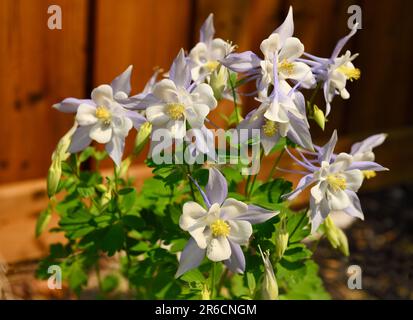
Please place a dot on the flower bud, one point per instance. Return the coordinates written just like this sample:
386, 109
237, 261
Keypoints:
269, 287
106, 197
319, 117
218, 80
60, 154
281, 240
101, 187
53, 177
336, 236
205, 293
142, 137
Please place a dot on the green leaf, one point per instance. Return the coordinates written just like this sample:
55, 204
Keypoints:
297, 227
43, 221
193, 275
114, 239
110, 283
76, 276
127, 198
133, 222
251, 283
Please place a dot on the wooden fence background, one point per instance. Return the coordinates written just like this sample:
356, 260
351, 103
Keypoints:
39, 67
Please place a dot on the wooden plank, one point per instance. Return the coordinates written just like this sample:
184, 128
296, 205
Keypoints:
382, 97
38, 68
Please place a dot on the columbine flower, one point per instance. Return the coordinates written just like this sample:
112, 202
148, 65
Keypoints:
218, 231
288, 120
174, 102
206, 55
281, 52
334, 72
336, 183
105, 121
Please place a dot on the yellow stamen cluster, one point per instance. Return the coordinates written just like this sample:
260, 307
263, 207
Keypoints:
286, 66
175, 110
103, 114
368, 174
212, 65
270, 128
220, 228
337, 182
351, 73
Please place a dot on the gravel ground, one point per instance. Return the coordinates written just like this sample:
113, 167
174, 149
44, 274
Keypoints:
382, 246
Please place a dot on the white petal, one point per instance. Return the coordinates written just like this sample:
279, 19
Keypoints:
102, 94
101, 133
192, 212
177, 128
121, 126
165, 90
157, 115
317, 192
341, 163
219, 49
292, 49
354, 179
193, 221
86, 115
203, 94
218, 249
115, 149
196, 115
337, 200
232, 208
240, 231
199, 54
270, 46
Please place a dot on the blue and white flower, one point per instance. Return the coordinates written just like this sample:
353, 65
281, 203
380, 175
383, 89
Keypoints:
174, 101
218, 231
335, 181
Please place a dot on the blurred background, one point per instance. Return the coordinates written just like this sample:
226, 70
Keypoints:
100, 38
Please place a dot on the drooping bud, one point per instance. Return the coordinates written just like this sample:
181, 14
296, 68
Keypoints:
336, 236
142, 137
218, 80
269, 287
59, 155
281, 240
53, 177
319, 117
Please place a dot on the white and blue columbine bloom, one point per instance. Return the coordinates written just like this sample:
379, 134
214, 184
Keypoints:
334, 72
281, 59
105, 121
103, 118
175, 101
335, 181
219, 230
205, 57
288, 120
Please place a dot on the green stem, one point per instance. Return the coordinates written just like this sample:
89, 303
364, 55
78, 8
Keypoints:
234, 96
188, 168
311, 101
255, 177
274, 167
222, 280
213, 271
247, 185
